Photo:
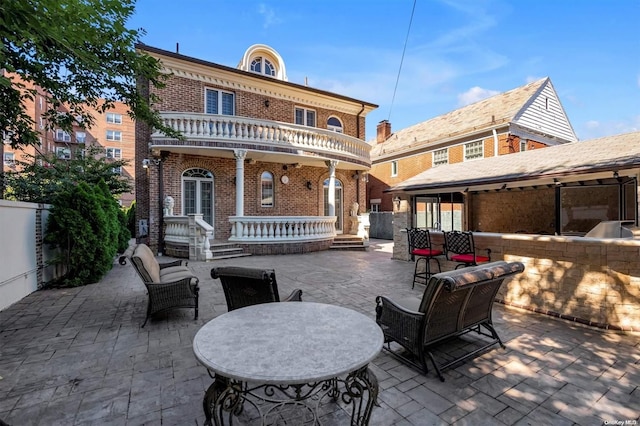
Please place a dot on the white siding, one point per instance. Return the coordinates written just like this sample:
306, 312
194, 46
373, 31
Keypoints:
544, 113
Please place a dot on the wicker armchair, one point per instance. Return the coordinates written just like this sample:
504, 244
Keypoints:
454, 303
460, 247
250, 286
170, 285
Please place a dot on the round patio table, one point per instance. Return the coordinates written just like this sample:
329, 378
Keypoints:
281, 354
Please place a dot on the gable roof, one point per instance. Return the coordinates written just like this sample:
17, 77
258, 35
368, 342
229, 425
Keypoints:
515, 109
572, 162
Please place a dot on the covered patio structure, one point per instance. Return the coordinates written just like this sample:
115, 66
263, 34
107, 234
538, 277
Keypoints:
536, 207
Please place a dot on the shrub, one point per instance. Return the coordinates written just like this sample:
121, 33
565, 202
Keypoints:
87, 226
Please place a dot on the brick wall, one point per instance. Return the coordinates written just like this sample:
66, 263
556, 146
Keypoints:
530, 211
186, 95
380, 178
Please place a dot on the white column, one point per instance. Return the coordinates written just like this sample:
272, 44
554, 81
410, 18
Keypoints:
240, 155
332, 186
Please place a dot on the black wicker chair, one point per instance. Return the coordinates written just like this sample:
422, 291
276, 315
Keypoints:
250, 286
460, 248
420, 247
454, 303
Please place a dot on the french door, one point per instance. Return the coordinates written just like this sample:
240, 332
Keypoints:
197, 193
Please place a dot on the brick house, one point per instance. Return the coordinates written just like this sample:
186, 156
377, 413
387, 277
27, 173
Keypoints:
271, 165
528, 117
113, 131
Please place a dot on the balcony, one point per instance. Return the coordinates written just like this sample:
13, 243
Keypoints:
271, 137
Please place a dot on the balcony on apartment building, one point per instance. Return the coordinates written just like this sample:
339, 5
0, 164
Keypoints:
271, 140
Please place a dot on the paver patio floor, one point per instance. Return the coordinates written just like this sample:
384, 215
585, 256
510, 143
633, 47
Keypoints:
79, 357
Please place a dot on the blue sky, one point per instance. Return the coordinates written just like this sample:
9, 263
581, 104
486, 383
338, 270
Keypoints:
457, 52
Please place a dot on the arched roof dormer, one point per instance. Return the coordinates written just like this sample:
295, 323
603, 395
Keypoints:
264, 60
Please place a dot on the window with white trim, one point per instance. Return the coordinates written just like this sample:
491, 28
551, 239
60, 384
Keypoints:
114, 135
219, 102
473, 150
394, 168
334, 124
523, 145
9, 158
63, 153
263, 66
375, 207
266, 189
113, 118
62, 136
305, 117
115, 153
440, 157
81, 137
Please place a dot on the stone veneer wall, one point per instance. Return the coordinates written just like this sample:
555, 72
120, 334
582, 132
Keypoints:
586, 280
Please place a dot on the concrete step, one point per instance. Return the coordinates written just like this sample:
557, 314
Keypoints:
229, 256
223, 250
349, 242
351, 247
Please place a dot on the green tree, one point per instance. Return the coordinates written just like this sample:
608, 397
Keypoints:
40, 178
79, 52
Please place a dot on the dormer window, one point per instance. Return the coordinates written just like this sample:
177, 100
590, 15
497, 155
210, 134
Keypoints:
264, 60
262, 65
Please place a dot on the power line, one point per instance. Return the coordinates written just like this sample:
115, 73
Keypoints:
402, 59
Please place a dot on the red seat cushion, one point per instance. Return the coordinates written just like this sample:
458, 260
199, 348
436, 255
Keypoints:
468, 258
426, 252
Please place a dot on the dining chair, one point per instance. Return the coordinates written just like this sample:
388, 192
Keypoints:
420, 249
250, 286
460, 247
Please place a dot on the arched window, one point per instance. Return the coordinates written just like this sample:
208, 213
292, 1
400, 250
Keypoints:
334, 123
262, 65
266, 189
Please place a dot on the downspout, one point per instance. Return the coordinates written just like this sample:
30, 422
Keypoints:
358, 122
495, 143
357, 173
163, 157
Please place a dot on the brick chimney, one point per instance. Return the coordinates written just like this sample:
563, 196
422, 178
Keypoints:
384, 131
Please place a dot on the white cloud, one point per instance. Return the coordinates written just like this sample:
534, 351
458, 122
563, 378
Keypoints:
269, 15
595, 129
592, 124
475, 94
531, 79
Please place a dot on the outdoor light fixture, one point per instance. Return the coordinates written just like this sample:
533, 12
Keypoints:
397, 200
615, 174
309, 185
145, 163
266, 103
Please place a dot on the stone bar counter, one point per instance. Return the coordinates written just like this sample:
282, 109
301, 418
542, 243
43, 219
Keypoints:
587, 280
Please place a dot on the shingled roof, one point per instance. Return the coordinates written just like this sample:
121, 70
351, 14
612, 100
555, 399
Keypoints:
567, 162
497, 111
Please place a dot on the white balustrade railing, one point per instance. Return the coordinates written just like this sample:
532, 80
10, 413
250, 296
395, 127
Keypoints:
271, 229
201, 244
265, 132
176, 229
192, 232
